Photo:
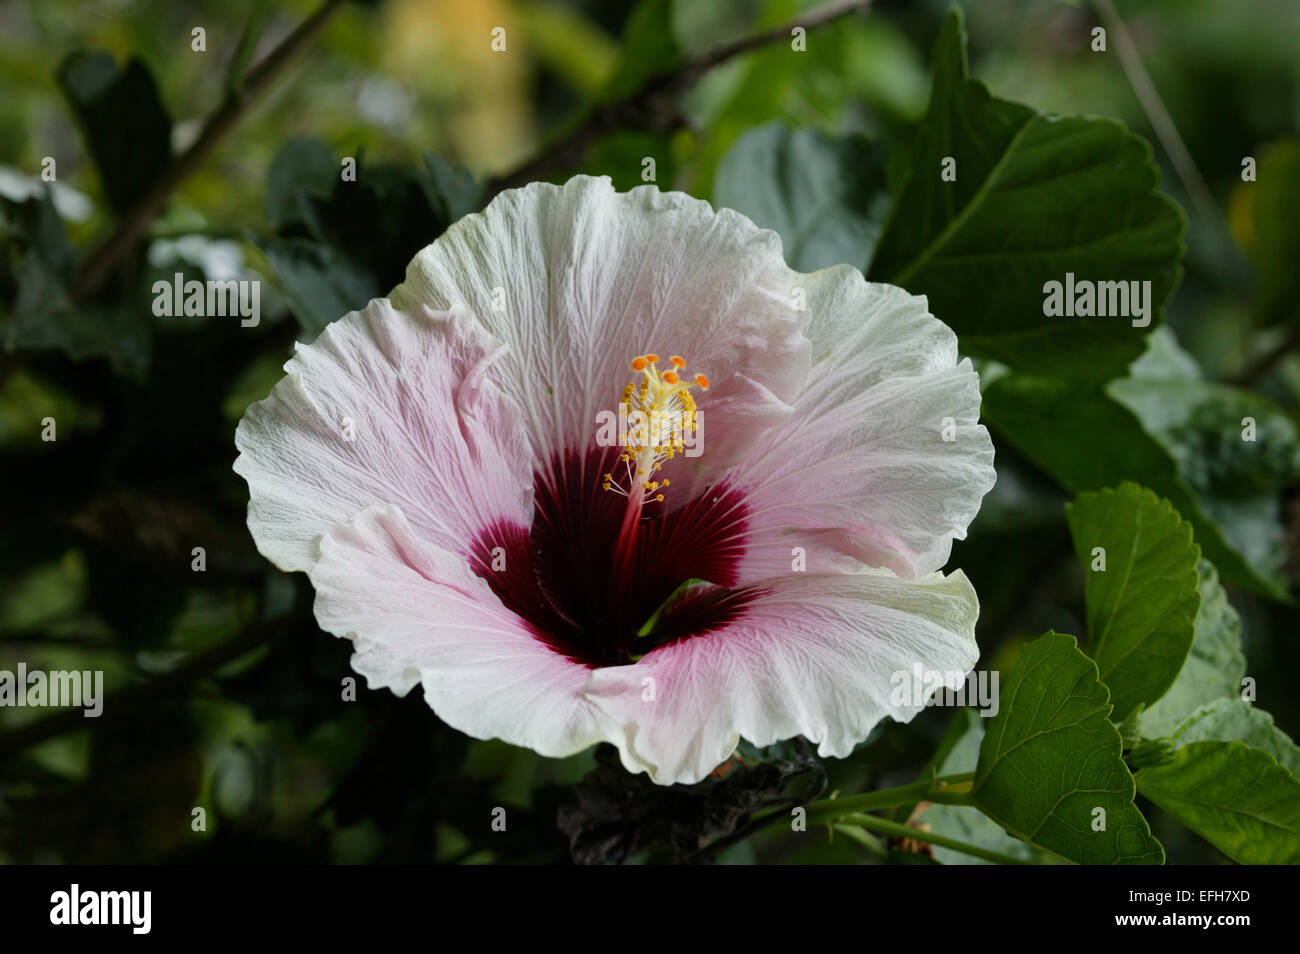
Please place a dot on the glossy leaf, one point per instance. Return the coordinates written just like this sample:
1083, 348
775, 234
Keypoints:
1140, 564
1215, 665
1029, 198
825, 197
1050, 770
1236, 797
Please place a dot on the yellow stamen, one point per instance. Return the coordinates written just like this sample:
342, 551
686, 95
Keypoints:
660, 411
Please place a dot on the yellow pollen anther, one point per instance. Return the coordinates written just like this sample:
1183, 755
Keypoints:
658, 416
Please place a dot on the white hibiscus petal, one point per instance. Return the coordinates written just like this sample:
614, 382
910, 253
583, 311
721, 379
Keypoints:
579, 279
884, 457
418, 614
816, 656
386, 406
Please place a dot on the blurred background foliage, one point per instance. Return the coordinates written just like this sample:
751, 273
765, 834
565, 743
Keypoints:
224, 694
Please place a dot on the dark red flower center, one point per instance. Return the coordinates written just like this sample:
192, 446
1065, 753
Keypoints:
603, 595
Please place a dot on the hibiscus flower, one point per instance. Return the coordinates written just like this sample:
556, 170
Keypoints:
443, 467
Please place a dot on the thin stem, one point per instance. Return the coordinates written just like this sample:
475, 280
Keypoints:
950, 790
884, 826
245, 48
649, 104
133, 223
1149, 98
1259, 367
811, 20
866, 840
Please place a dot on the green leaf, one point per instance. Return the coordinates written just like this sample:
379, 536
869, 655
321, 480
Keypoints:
1214, 667
960, 752
1203, 427
452, 192
1081, 437
1051, 757
387, 215
650, 48
321, 283
851, 63
1035, 197
1142, 602
304, 168
620, 156
381, 220
1235, 719
45, 317
342, 243
825, 197
1236, 797
122, 118
1086, 438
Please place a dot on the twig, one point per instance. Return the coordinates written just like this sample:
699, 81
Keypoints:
817, 17
863, 838
650, 106
133, 223
886, 827
1165, 129
245, 48
1256, 369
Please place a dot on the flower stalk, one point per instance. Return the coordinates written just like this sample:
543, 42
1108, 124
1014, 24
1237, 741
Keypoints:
887, 827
